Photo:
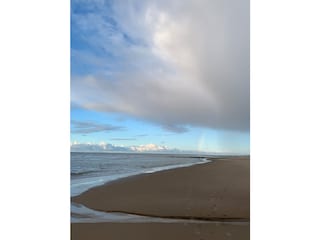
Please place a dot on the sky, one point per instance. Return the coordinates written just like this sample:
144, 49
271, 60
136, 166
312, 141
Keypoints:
160, 76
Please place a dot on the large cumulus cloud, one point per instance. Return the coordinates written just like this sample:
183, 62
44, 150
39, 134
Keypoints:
175, 63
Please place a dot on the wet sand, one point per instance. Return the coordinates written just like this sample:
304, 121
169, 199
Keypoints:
159, 231
215, 191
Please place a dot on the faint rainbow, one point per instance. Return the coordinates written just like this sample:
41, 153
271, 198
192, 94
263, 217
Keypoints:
201, 141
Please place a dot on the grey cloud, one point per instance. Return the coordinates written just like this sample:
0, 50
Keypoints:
188, 65
175, 128
91, 127
123, 139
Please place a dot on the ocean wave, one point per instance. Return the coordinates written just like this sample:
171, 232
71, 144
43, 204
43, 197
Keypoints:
81, 173
86, 174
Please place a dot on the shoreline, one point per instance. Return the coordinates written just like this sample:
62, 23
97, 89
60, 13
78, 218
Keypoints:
187, 186
79, 211
103, 180
216, 194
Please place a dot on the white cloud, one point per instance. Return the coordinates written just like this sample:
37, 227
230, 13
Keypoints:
149, 148
107, 147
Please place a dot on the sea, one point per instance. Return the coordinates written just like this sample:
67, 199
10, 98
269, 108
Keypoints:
93, 169
90, 169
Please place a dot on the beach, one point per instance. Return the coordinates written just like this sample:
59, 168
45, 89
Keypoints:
158, 231
217, 194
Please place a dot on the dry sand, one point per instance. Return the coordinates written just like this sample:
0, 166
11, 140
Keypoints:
219, 190
159, 231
